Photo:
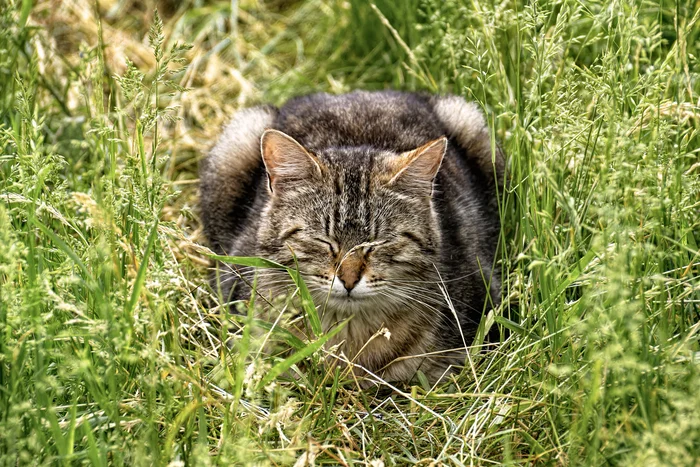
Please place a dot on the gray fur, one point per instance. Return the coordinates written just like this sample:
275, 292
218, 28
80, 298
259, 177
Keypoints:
407, 234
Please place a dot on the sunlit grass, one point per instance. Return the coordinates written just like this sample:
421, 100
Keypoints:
113, 349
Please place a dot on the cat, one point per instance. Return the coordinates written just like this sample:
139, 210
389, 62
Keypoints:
387, 200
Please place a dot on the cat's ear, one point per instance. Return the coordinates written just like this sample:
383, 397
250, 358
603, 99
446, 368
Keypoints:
417, 169
286, 160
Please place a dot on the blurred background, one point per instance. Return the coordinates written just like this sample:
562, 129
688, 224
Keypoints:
109, 350
517, 59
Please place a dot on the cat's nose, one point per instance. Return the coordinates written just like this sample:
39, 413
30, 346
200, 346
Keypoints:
350, 272
349, 281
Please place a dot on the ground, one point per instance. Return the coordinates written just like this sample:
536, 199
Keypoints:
111, 351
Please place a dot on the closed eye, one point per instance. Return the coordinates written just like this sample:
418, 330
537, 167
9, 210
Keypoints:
414, 238
290, 233
331, 248
371, 246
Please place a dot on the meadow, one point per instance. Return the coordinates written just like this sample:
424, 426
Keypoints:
112, 348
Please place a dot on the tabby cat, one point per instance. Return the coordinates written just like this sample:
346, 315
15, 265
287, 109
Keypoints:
388, 202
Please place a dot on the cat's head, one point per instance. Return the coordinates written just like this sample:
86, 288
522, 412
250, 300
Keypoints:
359, 221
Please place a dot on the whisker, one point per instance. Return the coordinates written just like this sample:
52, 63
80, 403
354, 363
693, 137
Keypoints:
421, 298
437, 295
402, 281
419, 290
411, 304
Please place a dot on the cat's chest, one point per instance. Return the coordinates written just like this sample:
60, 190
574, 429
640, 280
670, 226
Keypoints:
375, 340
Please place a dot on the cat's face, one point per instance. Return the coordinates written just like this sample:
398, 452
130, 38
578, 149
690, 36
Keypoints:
359, 222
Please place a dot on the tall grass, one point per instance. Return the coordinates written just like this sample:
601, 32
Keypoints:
112, 350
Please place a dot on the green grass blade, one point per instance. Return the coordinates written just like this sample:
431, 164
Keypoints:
143, 267
248, 261
287, 363
307, 302
26, 10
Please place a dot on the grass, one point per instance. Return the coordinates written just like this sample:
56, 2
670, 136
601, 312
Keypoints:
110, 352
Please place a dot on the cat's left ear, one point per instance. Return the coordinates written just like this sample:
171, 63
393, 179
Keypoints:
287, 162
418, 168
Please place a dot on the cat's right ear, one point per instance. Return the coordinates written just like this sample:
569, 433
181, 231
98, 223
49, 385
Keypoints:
286, 160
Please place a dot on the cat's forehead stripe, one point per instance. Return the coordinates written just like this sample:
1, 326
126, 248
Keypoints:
368, 205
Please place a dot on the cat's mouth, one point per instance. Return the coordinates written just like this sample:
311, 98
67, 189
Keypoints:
352, 302
337, 293
351, 296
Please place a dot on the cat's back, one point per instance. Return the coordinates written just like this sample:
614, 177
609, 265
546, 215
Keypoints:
390, 120
233, 175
